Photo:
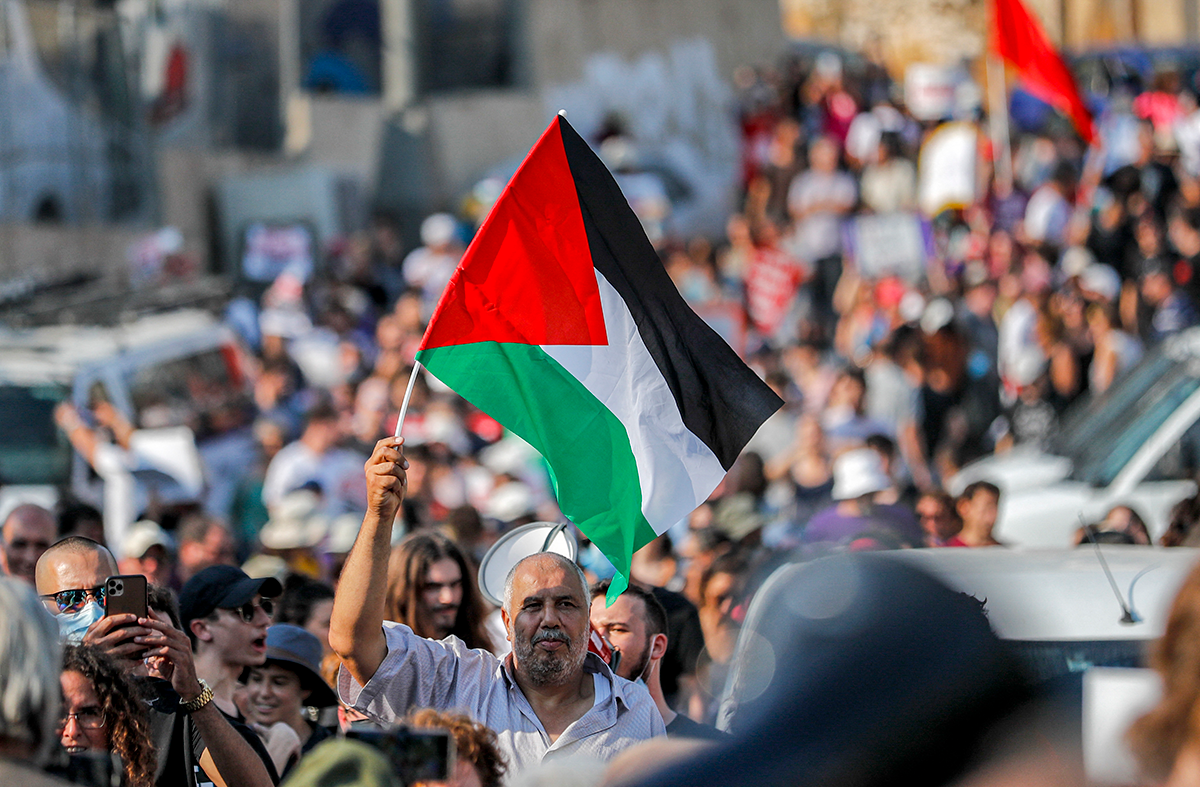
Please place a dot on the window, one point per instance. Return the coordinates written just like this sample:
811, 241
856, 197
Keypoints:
203, 391
466, 44
32, 449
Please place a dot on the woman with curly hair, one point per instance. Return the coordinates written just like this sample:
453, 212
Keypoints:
102, 711
431, 589
1166, 740
478, 760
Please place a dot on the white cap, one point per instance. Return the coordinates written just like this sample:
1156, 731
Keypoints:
141, 536
295, 522
288, 323
1101, 279
1076, 260
510, 501
342, 533
858, 472
938, 314
438, 229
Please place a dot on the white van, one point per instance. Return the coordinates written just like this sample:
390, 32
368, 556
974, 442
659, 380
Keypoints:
171, 369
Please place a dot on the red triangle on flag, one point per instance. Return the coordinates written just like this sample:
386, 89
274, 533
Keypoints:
528, 276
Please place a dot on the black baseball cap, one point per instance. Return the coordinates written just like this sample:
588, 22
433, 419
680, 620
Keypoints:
221, 587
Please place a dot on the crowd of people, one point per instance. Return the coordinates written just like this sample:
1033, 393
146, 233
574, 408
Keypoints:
300, 596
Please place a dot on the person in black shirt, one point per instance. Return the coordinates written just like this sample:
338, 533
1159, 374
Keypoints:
225, 614
72, 574
636, 626
199, 746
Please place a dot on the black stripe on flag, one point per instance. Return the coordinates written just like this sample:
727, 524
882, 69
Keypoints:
721, 400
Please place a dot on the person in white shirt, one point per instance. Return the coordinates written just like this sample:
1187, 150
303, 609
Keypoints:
549, 699
316, 458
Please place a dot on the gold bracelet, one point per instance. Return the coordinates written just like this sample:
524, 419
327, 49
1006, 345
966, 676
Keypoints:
199, 701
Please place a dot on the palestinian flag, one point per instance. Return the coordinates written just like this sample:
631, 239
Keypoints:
562, 324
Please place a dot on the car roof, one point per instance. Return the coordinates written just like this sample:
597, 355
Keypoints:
55, 353
1064, 594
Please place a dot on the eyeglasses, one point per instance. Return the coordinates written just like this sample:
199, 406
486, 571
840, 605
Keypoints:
246, 611
87, 718
74, 599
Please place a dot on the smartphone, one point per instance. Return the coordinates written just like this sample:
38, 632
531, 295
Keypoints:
125, 594
416, 754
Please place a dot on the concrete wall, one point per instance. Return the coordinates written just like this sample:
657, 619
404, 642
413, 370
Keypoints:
473, 132
44, 254
564, 32
341, 133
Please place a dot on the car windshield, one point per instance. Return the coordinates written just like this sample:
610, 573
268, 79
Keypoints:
204, 390
32, 449
1101, 434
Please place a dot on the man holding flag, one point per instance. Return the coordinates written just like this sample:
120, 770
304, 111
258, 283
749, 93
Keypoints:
549, 699
561, 324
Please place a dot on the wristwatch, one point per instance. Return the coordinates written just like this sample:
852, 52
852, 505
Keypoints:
199, 701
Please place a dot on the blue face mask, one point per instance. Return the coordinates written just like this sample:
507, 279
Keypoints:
72, 626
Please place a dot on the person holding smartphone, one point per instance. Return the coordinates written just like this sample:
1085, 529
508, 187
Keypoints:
72, 582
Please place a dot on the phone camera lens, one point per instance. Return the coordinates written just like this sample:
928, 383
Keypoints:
119, 587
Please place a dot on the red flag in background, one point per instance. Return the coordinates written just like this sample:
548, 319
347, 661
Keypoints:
1019, 39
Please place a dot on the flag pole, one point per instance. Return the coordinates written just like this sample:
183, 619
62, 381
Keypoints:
998, 122
412, 379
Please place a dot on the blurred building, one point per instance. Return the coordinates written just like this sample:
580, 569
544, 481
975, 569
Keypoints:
947, 31
213, 116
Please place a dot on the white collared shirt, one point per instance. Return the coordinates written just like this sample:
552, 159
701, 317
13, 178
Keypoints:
446, 675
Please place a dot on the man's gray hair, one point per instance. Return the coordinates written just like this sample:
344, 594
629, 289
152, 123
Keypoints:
563, 559
30, 665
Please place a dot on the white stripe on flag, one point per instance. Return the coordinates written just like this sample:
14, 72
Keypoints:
676, 469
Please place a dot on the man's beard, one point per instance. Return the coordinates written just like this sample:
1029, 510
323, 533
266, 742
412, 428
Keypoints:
638, 668
548, 668
441, 620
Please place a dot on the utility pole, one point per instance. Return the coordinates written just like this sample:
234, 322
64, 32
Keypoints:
399, 54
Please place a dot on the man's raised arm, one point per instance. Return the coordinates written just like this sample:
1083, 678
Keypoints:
356, 626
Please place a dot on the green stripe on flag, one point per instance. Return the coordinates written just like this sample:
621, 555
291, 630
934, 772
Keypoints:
592, 465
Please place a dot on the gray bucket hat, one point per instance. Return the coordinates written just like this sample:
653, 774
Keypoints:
298, 650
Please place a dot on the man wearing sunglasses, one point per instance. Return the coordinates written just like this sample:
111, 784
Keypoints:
70, 581
226, 614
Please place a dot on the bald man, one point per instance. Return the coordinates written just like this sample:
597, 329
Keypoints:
546, 700
28, 531
70, 581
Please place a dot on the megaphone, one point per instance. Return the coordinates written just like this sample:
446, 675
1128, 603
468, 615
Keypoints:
516, 545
